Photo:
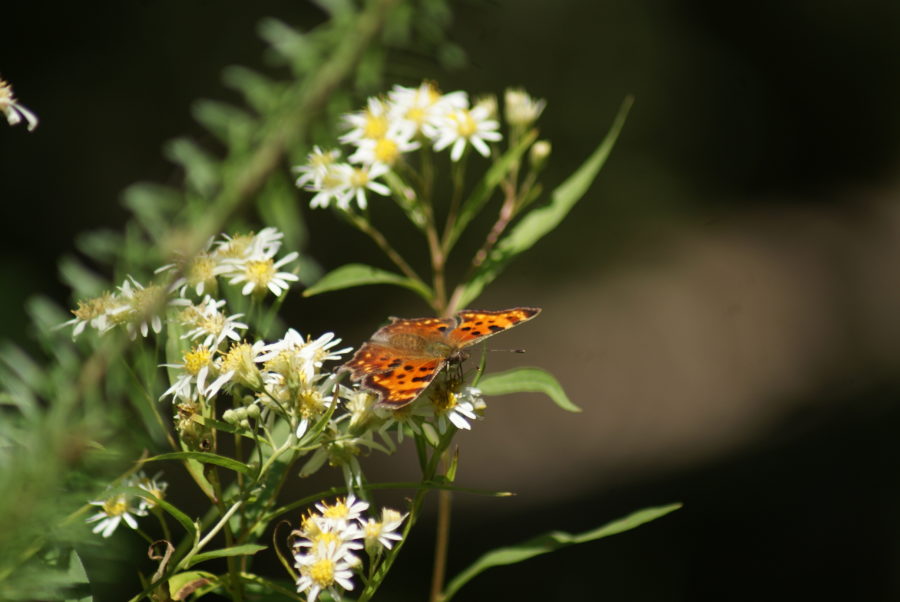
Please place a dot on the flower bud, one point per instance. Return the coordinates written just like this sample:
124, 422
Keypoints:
539, 152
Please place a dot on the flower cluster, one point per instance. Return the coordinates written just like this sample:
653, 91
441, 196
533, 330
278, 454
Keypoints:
406, 120
118, 507
326, 544
248, 260
13, 110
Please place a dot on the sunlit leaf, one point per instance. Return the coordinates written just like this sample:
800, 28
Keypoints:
527, 380
243, 550
357, 274
552, 541
204, 458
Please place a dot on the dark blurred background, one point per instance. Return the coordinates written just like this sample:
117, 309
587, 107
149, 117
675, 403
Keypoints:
723, 304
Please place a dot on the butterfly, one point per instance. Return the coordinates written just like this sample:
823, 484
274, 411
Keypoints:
402, 358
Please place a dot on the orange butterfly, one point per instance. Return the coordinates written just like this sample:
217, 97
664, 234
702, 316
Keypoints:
402, 358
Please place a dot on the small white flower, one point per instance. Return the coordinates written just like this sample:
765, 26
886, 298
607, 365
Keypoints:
462, 127
332, 186
521, 110
384, 532
115, 509
316, 167
459, 408
373, 122
238, 366
386, 150
342, 511
327, 569
206, 321
195, 369
13, 110
138, 307
152, 485
419, 110
296, 354
259, 273
360, 180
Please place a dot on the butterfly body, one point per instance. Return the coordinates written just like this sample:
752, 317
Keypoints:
401, 359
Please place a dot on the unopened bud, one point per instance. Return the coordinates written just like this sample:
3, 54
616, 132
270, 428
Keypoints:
539, 152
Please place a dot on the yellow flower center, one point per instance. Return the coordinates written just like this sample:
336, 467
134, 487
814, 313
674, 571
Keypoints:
339, 510
376, 126
444, 402
237, 246
196, 359
386, 151
115, 506
92, 308
212, 324
200, 270
416, 115
320, 160
360, 177
465, 125
322, 572
373, 529
260, 272
326, 537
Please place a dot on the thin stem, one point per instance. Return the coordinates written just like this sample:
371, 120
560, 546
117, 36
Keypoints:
367, 228
459, 179
441, 544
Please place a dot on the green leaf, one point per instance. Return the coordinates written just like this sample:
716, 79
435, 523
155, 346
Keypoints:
552, 541
153, 206
488, 184
247, 549
260, 92
205, 458
233, 126
184, 584
278, 206
527, 380
543, 220
201, 169
183, 519
83, 281
358, 274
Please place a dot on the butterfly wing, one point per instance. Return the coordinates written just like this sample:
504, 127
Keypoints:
395, 379
476, 325
413, 334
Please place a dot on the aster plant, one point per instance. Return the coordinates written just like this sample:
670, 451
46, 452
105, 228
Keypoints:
193, 346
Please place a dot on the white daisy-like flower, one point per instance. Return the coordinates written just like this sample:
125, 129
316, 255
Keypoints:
317, 534
360, 180
386, 150
152, 485
462, 127
94, 312
138, 307
304, 402
115, 509
458, 408
418, 110
332, 186
266, 242
384, 532
316, 167
373, 122
13, 110
207, 322
521, 110
343, 510
197, 366
259, 273
295, 354
238, 366
328, 569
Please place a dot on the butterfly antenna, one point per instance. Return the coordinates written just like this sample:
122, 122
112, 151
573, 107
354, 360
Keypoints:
509, 350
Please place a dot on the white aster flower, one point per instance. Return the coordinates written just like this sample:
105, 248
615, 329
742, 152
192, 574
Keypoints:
521, 110
359, 181
152, 485
342, 511
238, 366
386, 149
327, 569
332, 186
462, 127
138, 307
373, 122
316, 167
195, 369
266, 242
418, 110
458, 408
94, 312
295, 354
115, 509
207, 322
13, 110
259, 273
384, 532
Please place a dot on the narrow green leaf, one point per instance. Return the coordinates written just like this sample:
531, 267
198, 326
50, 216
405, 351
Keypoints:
232, 125
247, 549
183, 519
539, 222
552, 541
205, 458
278, 206
527, 380
488, 184
153, 206
83, 281
182, 585
262, 93
357, 274
201, 169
